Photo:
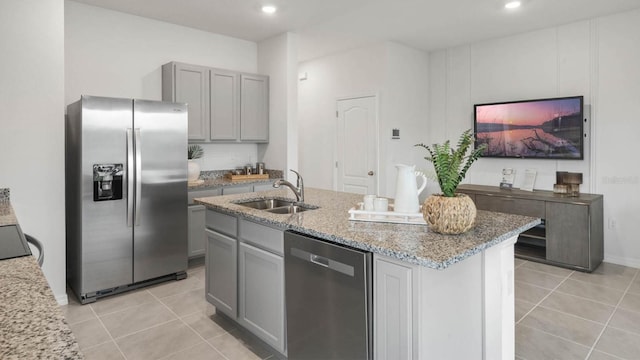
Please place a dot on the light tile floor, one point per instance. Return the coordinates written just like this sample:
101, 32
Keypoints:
564, 314
560, 314
171, 320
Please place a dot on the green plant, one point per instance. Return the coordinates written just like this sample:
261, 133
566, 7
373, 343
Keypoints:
194, 152
451, 165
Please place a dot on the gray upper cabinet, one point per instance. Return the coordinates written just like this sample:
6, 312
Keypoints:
224, 106
225, 98
254, 109
189, 84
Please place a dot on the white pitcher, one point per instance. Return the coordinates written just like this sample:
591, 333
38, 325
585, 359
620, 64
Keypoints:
407, 190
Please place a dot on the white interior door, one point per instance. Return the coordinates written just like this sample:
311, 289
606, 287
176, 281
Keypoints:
356, 153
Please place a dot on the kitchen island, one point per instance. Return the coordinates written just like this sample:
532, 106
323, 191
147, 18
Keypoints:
435, 296
32, 325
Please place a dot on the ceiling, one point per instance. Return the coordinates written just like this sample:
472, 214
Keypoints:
328, 26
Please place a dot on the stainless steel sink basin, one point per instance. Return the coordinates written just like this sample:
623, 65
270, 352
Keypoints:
277, 206
265, 204
291, 209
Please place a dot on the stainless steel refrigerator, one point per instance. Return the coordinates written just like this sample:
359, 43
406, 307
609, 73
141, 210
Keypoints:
126, 194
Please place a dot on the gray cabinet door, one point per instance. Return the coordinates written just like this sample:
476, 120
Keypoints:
568, 234
197, 236
263, 187
191, 86
228, 190
221, 273
261, 292
225, 94
254, 108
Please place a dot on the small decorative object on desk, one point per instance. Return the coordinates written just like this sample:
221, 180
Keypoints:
529, 180
508, 176
358, 214
567, 183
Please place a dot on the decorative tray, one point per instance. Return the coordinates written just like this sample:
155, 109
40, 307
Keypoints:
358, 214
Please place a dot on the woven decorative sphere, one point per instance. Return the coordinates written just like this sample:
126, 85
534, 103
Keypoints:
449, 215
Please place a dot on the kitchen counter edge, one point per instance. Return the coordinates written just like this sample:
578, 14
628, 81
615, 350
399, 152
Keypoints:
297, 223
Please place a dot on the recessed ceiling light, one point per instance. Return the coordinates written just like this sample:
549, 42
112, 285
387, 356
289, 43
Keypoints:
512, 4
269, 9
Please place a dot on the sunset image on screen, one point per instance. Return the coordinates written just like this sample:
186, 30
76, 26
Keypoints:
550, 128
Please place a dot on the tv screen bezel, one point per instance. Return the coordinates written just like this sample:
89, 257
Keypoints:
582, 124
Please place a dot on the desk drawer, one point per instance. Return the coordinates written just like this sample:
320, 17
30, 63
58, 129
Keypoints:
535, 208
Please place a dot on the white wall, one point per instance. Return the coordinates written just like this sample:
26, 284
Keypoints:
108, 53
32, 125
616, 110
597, 59
539, 64
277, 57
398, 75
356, 72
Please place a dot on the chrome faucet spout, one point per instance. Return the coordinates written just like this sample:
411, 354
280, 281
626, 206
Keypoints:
298, 190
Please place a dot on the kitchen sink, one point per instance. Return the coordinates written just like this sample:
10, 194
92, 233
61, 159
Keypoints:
277, 206
265, 204
291, 209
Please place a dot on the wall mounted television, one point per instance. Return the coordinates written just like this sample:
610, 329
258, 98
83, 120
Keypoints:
535, 129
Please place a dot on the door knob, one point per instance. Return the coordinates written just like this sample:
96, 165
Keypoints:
370, 173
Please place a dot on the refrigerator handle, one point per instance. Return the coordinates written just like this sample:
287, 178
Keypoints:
130, 177
138, 163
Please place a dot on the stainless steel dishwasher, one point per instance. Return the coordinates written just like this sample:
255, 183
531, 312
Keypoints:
329, 300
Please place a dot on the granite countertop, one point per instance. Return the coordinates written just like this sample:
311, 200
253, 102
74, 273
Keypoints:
414, 244
221, 182
212, 179
32, 325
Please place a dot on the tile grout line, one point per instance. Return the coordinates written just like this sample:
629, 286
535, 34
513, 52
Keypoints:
626, 291
544, 298
555, 336
108, 332
191, 328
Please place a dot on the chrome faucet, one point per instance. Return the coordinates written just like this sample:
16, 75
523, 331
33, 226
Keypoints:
298, 190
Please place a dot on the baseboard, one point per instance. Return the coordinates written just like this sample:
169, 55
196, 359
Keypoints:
62, 299
634, 263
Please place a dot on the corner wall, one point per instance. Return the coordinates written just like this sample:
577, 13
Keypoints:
32, 123
277, 57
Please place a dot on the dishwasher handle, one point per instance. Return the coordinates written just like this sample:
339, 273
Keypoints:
316, 259
323, 261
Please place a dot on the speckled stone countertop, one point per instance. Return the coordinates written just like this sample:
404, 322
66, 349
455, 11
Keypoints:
32, 325
215, 179
415, 244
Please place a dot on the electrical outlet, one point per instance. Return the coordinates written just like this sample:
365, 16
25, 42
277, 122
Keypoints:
611, 223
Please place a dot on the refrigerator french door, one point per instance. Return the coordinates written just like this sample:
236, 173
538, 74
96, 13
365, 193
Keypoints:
126, 183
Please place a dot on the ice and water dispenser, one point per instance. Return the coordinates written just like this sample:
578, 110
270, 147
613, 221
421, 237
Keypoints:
107, 182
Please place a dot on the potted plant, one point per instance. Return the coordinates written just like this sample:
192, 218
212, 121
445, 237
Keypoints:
449, 212
193, 171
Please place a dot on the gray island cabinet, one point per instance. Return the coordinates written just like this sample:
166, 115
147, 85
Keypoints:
245, 275
434, 296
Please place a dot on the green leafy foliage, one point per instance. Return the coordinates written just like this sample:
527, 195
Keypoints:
194, 152
451, 165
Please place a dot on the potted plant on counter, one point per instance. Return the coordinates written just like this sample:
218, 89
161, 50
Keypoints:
194, 151
449, 212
